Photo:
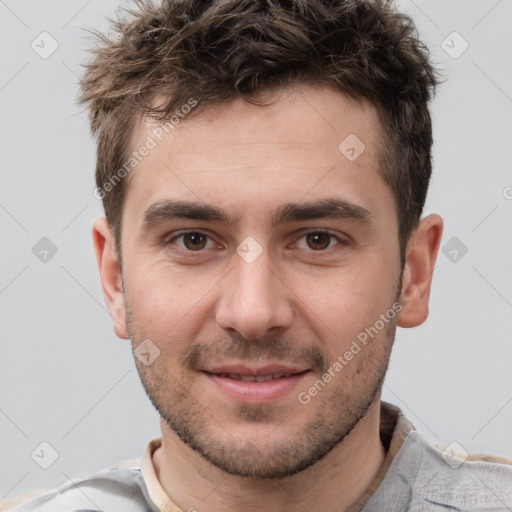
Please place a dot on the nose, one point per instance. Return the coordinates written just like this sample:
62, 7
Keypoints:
254, 299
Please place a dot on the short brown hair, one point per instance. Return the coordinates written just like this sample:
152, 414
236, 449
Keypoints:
215, 50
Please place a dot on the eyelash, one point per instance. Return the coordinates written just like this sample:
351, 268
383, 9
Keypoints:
168, 241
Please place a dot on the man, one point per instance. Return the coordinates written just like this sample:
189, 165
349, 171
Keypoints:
263, 168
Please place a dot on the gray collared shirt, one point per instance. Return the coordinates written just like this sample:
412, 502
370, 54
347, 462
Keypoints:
416, 476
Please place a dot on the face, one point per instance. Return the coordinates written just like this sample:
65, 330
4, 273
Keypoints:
257, 257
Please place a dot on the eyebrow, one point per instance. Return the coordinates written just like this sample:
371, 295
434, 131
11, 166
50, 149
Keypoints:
329, 208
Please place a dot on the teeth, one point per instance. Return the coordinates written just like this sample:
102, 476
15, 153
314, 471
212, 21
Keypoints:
250, 378
263, 378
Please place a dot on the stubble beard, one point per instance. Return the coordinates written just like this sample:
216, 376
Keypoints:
335, 414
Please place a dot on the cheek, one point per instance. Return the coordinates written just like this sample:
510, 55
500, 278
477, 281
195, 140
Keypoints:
168, 306
343, 304
160, 290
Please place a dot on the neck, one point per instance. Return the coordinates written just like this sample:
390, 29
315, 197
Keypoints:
331, 484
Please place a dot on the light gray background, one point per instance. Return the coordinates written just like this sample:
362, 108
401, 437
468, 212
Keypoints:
64, 376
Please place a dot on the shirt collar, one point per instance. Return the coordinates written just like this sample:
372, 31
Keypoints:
156, 492
394, 428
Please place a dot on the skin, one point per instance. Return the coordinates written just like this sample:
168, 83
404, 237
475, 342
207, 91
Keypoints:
302, 300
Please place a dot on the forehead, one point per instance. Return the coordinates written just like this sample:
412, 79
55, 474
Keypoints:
308, 141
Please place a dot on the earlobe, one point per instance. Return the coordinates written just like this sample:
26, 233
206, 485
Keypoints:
110, 275
421, 256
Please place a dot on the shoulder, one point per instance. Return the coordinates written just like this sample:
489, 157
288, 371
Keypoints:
450, 477
114, 489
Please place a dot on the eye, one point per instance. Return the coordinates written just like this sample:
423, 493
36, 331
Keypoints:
191, 241
318, 241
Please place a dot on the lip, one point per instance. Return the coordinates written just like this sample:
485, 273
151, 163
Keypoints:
242, 369
256, 392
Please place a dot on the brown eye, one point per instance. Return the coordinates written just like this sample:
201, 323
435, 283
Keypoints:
190, 241
194, 241
318, 241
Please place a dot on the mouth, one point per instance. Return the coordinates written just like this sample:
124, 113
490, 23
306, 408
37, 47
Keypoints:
255, 385
252, 378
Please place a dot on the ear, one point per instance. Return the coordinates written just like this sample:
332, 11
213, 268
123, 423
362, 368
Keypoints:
110, 274
421, 254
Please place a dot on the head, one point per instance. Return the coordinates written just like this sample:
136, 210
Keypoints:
263, 168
